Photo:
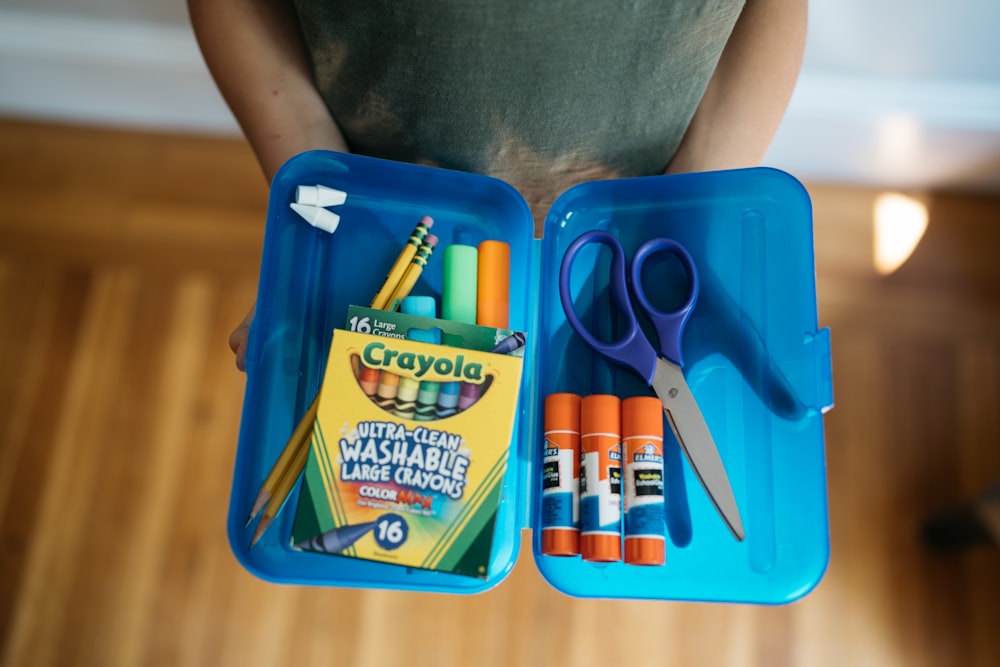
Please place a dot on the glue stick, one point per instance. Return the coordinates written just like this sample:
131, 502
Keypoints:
642, 441
600, 478
560, 476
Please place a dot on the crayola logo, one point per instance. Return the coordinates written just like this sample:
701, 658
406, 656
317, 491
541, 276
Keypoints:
445, 368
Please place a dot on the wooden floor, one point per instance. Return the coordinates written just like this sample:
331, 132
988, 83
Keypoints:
125, 260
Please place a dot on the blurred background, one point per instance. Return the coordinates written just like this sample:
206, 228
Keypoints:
131, 218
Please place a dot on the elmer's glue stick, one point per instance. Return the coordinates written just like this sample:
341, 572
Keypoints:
560, 476
642, 441
600, 478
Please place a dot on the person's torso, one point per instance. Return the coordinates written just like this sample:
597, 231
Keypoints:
542, 93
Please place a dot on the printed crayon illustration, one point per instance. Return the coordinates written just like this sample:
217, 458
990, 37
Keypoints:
399, 383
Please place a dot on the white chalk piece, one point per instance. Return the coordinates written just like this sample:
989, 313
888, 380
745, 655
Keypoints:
319, 195
317, 216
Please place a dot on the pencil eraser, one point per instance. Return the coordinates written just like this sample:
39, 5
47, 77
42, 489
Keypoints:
317, 217
319, 195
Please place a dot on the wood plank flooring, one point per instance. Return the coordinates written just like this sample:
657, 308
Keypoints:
126, 259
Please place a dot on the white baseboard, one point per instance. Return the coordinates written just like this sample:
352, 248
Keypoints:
117, 73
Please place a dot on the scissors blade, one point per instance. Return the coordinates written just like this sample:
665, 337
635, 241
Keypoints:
688, 425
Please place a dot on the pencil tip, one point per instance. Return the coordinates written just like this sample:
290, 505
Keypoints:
263, 497
261, 529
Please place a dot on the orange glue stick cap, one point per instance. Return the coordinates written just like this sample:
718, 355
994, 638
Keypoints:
642, 415
600, 413
562, 412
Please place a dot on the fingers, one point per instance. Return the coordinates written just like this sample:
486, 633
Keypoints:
238, 339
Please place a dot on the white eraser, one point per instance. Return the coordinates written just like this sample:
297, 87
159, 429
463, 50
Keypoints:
319, 195
318, 216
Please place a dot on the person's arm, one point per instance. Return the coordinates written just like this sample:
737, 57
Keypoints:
256, 56
749, 91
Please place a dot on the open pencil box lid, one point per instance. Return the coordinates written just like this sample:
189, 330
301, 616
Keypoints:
755, 359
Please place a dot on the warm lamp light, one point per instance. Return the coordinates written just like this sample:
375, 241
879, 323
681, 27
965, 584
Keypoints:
900, 223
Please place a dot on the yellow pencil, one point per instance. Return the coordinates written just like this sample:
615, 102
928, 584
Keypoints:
412, 273
402, 263
284, 487
297, 441
292, 460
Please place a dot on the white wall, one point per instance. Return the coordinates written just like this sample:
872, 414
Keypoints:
167, 12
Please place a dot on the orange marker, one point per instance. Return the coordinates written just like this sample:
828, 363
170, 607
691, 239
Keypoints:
600, 478
493, 287
560, 476
642, 441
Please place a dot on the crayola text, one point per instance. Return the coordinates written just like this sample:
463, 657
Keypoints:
424, 366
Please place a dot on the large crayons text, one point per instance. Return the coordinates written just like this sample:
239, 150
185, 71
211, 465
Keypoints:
421, 458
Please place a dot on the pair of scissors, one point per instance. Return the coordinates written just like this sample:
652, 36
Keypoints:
663, 371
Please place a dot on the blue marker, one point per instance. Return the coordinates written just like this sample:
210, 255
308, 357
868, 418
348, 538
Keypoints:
425, 408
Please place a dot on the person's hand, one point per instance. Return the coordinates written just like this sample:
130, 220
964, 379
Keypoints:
238, 339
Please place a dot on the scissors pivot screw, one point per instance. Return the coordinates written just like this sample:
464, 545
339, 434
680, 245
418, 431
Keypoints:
673, 392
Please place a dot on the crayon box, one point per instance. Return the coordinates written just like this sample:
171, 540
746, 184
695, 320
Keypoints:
755, 358
384, 485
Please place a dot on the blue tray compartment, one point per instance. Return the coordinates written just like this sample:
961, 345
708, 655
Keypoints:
755, 359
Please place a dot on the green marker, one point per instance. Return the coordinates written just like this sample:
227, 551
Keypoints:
458, 303
460, 276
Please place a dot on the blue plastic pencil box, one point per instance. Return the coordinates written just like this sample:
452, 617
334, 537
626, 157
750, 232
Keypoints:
756, 360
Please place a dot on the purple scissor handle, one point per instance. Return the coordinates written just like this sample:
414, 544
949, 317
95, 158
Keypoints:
632, 349
661, 372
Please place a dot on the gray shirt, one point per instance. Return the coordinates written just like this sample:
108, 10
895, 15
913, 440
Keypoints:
542, 93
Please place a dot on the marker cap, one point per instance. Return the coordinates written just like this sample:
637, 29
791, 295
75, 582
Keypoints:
424, 306
493, 290
319, 195
460, 268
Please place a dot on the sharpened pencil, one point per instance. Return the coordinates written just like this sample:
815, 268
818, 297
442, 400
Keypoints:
412, 273
402, 263
296, 442
292, 460
281, 491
